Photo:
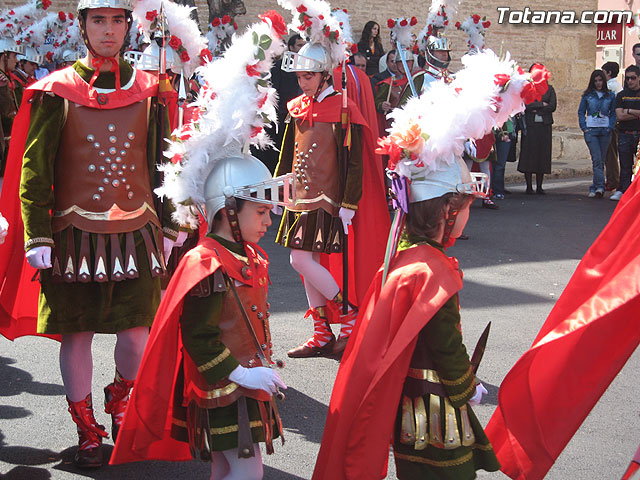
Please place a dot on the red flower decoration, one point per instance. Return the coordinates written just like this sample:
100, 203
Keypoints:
226, 19
215, 22
446, 22
262, 101
70, 15
391, 23
321, 17
301, 9
501, 79
476, 18
235, 26
255, 131
175, 42
184, 56
413, 21
252, 71
403, 22
49, 56
206, 55
12, 12
387, 147
534, 90
486, 24
62, 16
45, 4
276, 21
151, 15
354, 48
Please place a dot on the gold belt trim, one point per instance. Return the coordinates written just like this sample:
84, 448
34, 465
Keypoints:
434, 463
219, 430
424, 374
466, 392
114, 213
458, 381
316, 199
216, 392
212, 363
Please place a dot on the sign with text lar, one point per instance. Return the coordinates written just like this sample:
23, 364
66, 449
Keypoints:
609, 34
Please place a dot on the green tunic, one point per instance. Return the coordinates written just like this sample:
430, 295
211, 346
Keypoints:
201, 340
107, 307
448, 383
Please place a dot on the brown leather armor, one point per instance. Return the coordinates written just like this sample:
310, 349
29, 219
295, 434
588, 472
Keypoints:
101, 180
315, 166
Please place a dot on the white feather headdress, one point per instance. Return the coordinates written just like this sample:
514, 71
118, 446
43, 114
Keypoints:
186, 40
430, 131
313, 19
234, 104
13, 21
221, 29
440, 14
475, 27
401, 30
344, 21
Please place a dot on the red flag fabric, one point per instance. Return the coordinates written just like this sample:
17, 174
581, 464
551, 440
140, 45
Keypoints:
587, 338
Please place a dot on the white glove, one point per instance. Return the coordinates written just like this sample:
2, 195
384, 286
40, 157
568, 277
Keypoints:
346, 215
39, 257
470, 148
276, 210
4, 228
257, 378
477, 397
168, 244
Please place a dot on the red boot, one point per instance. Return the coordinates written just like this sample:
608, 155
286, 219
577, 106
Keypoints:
322, 341
90, 434
116, 398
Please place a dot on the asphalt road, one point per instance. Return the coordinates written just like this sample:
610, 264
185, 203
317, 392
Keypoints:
516, 264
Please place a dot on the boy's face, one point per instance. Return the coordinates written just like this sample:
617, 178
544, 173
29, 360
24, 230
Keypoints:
106, 29
254, 220
461, 221
309, 82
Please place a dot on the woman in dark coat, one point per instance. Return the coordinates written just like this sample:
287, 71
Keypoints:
535, 152
371, 46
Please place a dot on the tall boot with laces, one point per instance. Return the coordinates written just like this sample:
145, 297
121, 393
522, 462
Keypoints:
322, 341
347, 321
116, 398
90, 434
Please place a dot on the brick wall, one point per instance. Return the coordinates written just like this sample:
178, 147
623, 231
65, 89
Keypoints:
569, 52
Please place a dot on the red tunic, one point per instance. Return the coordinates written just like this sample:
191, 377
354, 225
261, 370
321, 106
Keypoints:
366, 394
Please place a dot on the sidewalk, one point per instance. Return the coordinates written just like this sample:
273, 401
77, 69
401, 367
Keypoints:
570, 158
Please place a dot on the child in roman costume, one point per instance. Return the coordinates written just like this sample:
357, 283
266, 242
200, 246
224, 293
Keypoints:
406, 376
206, 387
326, 157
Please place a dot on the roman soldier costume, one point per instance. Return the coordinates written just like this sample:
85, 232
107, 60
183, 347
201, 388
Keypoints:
86, 141
406, 376
213, 321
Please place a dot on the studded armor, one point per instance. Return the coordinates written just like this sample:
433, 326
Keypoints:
315, 164
101, 179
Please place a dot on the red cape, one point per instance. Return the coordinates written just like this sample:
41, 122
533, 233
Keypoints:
146, 431
18, 293
366, 394
587, 338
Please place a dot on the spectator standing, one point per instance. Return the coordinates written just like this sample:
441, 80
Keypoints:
359, 61
371, 46
597, 104
505, 139
535, 152
611, 164
390, 70
627, 107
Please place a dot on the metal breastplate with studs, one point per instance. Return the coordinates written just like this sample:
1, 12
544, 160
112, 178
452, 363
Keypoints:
315, 165
101, 181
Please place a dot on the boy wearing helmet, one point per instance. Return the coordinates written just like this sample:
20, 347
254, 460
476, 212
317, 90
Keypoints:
86, 140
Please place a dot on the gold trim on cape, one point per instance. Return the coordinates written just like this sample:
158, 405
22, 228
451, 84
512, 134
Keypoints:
113, 214
212, 363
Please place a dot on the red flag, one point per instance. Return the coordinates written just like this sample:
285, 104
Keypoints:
587, 338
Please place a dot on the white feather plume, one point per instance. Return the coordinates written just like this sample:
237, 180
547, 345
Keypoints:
344, 20
320, 23
475, 28
15, 20
219, 34
234, 104
401, 30
447, 115
439, 18
181, 25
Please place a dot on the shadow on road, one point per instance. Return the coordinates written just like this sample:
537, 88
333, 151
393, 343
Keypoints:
26, 473
479, 295
9, 412
306, 413
14, 381
271, 473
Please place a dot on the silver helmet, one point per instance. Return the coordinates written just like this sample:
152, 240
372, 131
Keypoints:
312, 57
148, 59
31, 54
8, 44
244, 176
438, 43
455, 178
88, 4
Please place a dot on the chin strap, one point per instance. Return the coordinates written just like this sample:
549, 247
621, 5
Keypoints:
231, 207
97, 63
